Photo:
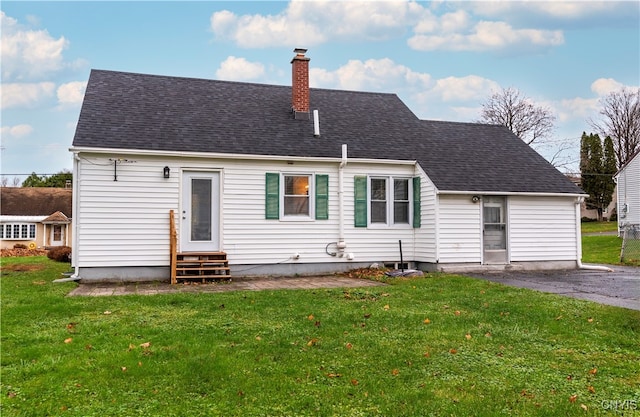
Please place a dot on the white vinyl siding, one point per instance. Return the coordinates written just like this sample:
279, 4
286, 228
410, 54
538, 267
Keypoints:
126, 222
460, 228
426, 234
628, 180
542, 229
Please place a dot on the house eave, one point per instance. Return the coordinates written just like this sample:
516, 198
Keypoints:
209, 155
510, 193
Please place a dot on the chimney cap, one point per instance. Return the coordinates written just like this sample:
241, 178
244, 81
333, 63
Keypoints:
300, 51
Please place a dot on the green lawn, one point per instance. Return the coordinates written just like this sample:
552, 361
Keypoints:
599, 227
441, 345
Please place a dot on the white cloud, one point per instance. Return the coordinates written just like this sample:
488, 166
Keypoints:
372, 74
577, 108
29, 54
16, 131
239, 69
551, 9
486, 36
25, 94
310, 23
463, 89
71, 93
604, 86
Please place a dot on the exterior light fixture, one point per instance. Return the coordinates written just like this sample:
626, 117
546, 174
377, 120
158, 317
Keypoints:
166, 171
475, 198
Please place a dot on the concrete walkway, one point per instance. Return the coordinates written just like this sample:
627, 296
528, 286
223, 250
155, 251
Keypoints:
237, 284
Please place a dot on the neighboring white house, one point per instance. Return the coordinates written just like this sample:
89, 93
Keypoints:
628, 181
290, 180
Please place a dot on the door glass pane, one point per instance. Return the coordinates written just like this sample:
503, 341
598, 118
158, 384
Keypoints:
491, 214
201, 209
57, 232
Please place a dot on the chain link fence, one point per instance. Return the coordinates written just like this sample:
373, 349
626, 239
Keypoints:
630, 243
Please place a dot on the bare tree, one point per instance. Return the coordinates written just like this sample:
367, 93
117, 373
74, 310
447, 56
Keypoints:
509, 107
620, 111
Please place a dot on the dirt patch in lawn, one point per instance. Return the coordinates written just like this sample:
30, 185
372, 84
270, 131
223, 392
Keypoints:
22, 267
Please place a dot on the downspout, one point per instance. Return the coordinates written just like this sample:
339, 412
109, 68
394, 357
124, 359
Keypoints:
75, 215
342, 245
579, 243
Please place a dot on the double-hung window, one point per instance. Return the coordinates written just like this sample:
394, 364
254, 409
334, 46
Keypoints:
293, 196
387, 201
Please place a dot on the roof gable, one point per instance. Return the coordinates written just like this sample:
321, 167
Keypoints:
174, 114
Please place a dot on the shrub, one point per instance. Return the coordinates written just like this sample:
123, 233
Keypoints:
19, 246
60, 254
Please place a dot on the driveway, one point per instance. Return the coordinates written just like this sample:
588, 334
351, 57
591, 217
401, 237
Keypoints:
620, 288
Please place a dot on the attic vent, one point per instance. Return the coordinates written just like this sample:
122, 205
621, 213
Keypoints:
316, 123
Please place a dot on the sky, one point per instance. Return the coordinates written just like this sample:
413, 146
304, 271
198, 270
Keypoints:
444, 59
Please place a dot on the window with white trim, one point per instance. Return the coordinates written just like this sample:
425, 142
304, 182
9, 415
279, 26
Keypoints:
17, 231
293, 196
386, 201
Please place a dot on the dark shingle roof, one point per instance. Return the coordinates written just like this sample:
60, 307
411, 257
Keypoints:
35, 201
150, 112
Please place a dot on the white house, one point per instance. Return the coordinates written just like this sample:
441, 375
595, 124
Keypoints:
628, 182
288, 179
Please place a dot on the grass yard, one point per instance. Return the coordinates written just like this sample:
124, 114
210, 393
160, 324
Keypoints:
442, 345
599, 227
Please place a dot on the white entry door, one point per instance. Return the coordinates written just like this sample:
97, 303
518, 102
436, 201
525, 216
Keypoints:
494, 230
200, 216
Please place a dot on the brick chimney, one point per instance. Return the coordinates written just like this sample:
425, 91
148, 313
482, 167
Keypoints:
300, 84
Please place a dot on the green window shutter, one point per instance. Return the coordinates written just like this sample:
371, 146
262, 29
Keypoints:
417, 215
322, 197
272, 196
360, 203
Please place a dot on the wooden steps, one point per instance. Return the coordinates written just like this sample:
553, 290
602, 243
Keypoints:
202, 266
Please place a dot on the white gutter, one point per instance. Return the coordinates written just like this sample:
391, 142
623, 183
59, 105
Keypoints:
342, 245
213, 155
579, 244
516, 193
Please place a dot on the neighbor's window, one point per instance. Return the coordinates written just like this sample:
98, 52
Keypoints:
17, 231
296, 195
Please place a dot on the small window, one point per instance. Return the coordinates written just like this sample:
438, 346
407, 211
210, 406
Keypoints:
296, 195
390, 200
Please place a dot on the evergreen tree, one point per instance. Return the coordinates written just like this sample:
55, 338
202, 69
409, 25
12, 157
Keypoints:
597, 168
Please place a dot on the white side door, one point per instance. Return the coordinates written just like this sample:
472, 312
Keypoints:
200, 212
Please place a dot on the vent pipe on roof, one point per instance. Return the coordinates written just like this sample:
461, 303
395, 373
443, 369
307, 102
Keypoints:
316, 123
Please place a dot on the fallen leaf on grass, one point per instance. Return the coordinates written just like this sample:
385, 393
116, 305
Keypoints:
591, 389
395, 372
145, 345
354, 382
457, 312
427, 321
453, 351
106, 313
317, 324
487, 334
71, 327
124, 369
310, 317
366, 316
468, 336
593, 371
573, 398
11, 394
332, 375
312, 342
590, 319
584, 407
386, 307
426, 354
349, 346
68, 340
